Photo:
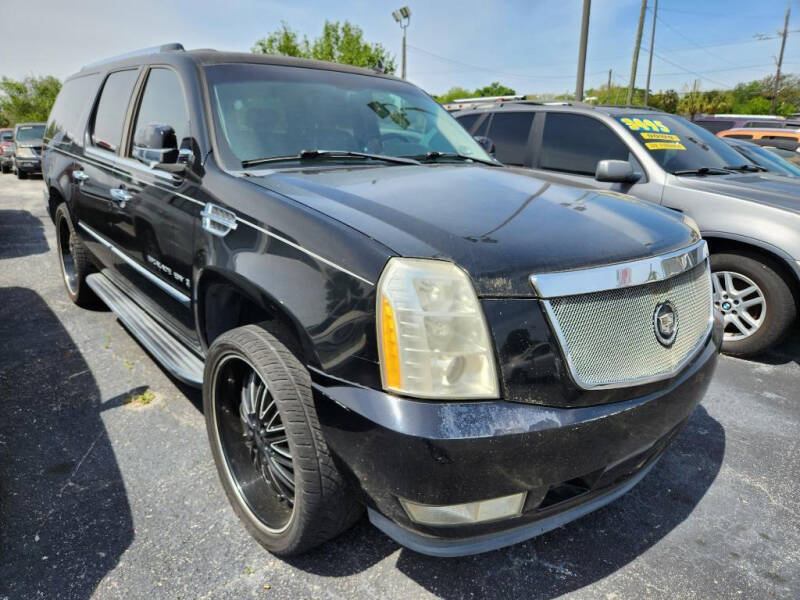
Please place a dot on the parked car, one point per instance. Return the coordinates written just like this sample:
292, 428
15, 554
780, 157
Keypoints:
378, 313
717, 123
764, 157
788, 139
6, 146
792, 156
26, 157
749, 220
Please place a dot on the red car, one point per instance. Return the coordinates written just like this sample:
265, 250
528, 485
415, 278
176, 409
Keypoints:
6, 148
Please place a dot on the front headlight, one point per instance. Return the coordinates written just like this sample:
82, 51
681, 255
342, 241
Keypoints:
24, 152
687, 220
433, 340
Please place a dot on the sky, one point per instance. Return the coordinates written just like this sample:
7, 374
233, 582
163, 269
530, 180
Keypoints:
531, 46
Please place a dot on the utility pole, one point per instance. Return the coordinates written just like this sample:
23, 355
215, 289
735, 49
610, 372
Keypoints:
780, 59
650, 62
582, 50
608, 88
635, 61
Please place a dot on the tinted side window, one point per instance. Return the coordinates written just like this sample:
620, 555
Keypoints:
509, 132
467, 121
110, 114
763, 124
575, 144
163, 103
72, 101
715, 126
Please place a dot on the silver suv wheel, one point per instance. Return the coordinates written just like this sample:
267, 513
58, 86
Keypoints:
741, 303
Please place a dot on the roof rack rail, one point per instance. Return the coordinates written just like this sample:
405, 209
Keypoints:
172, 47
636, 106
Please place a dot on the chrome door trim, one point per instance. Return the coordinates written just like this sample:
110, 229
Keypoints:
621, 275
263, 230
170, 290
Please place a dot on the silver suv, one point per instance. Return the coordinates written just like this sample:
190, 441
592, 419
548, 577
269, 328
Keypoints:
750, 219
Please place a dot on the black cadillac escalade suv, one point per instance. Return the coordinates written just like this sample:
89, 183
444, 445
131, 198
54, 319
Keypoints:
379, 314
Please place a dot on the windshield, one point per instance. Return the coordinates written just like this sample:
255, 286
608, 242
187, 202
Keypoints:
678, 145
768, 160
6, 136
263, 111
27, 133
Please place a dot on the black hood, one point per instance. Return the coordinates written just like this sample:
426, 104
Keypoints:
766, 188
501, 226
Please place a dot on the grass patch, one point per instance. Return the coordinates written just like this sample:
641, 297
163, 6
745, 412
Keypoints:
142, 399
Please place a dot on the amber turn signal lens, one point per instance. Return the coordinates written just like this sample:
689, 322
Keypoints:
391, 352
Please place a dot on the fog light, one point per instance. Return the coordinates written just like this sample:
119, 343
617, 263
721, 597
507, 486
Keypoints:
463, 514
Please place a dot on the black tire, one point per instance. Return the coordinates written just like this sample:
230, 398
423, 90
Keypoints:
73, 260
778, 299
322, 506
21, 175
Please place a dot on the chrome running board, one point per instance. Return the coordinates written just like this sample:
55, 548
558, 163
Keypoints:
171, 353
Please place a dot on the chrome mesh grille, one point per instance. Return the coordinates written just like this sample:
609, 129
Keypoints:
609, 336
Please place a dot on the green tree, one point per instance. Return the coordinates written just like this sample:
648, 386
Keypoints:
339, 42
28, 99
494, 89
283, 41
667, 101
454, 93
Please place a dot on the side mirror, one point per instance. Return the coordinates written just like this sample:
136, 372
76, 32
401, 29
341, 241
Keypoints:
156, 144
485, 143
615, 171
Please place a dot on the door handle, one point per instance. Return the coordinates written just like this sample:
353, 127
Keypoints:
120, 196
79, 176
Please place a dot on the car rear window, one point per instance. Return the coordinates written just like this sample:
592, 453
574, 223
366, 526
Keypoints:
509, 132
74, 98
7, 136
111, 109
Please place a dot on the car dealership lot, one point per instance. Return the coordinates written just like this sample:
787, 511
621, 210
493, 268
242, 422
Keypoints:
103, 496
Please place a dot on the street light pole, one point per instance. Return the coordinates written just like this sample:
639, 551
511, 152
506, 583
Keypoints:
403, 18
582, 51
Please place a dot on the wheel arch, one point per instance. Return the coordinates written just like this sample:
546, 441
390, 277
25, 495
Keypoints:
225, 300
789, 268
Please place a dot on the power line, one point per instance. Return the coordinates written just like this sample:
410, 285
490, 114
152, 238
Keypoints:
691, 41
492, 70
682, 68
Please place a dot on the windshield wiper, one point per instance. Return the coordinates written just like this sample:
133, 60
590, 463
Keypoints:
328, 154
434, 155
704, 171
746, 168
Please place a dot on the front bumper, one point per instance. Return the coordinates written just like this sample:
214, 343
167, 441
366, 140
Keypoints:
570, 461
28, 165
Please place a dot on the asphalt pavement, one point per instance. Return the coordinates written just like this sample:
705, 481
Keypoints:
101, 497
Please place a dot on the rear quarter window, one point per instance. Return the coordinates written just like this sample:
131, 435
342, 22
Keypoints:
509, 131
467, 121
72, 103
109, 116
